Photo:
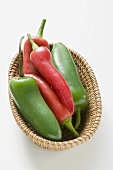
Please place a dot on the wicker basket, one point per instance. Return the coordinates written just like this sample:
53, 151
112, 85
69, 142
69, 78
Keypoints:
90, 118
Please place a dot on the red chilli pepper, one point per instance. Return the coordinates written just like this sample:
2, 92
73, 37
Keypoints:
28, 66
51, 99
41, 57
60, 111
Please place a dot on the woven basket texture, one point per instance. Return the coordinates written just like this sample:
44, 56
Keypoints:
90, 119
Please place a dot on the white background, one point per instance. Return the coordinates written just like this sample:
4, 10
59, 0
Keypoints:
85, 26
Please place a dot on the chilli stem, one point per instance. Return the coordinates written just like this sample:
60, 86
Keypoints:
21, 74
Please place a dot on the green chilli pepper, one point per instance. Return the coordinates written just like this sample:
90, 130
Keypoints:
33, 107
64, 63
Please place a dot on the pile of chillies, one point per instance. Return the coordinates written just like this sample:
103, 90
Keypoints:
48, 91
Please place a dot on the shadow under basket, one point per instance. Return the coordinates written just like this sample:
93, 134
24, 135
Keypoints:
90, 119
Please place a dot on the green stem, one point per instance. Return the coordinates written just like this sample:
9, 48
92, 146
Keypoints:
68, 124
78, 118
41, 28
34, 45
21, 74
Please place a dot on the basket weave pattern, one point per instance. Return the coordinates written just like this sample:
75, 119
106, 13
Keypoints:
90, 119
